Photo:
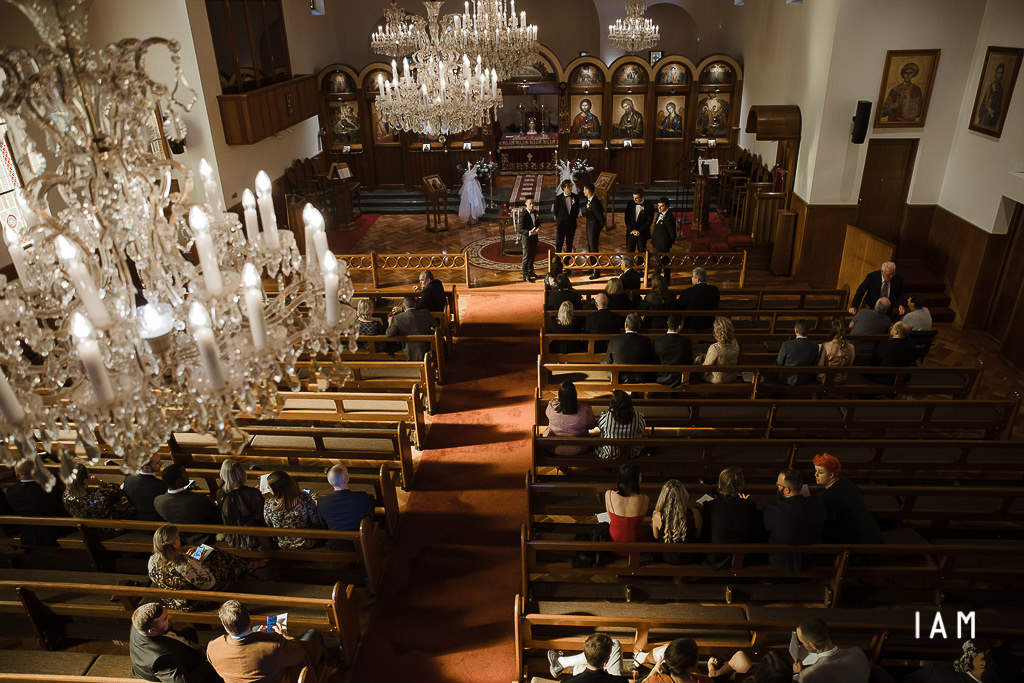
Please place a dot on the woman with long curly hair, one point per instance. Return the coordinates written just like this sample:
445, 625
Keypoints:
674, 519
620, 421
725, 351
287, 507
176, 568
836, 352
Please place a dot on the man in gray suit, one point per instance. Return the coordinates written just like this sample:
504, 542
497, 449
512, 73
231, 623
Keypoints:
826, 663
798, 352
409, 322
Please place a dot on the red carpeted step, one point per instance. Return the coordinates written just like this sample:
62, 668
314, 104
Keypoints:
740, 241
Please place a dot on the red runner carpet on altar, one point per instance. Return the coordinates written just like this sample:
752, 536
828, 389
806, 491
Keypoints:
525, 186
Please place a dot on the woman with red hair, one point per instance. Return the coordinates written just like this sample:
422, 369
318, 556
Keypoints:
847, 519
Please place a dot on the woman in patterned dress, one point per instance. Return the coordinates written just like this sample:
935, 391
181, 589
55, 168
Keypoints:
173, 567
104, 501
289, 508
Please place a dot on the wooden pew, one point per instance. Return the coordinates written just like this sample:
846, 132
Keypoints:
139, 540
803, 418
762, 380
732, 264
772, 321
380, 347
885, 635
41, 601
863, 459
748, 298
377, 265
379, 375
393, 295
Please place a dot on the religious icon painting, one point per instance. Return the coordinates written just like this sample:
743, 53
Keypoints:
670, 117
383, 133
586, 74
998, 76
371, 80
655, 56
717, 73
630, 74
673, 73
906, 88
585, 111
338, 83
627, 117
343, 123
713, 115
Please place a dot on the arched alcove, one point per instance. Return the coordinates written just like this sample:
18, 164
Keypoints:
678, 30
566, 27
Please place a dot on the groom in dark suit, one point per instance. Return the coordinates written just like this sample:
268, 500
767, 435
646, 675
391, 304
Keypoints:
565, 209
159, 653
593, 209
663, 236
529, 226
638, 217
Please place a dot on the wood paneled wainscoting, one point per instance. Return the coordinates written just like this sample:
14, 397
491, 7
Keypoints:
818, 242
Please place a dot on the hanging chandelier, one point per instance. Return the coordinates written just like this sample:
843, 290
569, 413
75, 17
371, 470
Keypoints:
491, 29
636, 32
110, 331
438, 93
401, 34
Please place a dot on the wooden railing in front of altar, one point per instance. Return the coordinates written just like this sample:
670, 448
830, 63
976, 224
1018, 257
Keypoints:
733, 262
375, 264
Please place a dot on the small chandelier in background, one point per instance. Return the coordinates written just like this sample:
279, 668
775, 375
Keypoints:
491, 29
635, 33
401, 34
438, 92
109, 331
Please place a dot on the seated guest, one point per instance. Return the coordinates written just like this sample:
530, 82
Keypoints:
618, 299
725, 351
631, 348
871, 321
673, 349
143, 488
836, 352
658, 299
568, 417
600, 661
792, 519
289, 508
103, 501
626, 506
700, 297
798, 352
630, 277
243, 656
160, 652
915, 314
563, 292
566, 322
240, 505
895, 352
675, 519
556, 269
175, 568
620, 421
603, 321
847, 519
884, 282
408, 322
676, 662
731, 517
831, 664
432, 296
343, 510
970, 667
183, 506
368, 326
28, 499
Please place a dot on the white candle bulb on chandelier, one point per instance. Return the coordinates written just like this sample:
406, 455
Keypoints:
265, 201
92, 359
83, 282
17, 252
200, 224
330, 273
252, 222
212, 187
202, 331
254, 305
10, 406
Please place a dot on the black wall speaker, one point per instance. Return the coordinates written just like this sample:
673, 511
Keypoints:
860, 122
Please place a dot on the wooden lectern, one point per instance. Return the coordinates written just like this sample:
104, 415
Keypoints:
434, 192
342, 186
701, 202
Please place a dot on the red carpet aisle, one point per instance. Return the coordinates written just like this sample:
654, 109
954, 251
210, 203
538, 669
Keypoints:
445, 609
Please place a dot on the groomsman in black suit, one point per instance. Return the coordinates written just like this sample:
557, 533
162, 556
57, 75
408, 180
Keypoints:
663, 235
593, 210
529, 226
566, 209
638, 217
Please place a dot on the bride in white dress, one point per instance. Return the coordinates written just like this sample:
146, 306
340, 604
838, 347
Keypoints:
471, 207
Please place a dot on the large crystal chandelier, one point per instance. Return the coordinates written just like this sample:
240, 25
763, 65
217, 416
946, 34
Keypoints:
438, 92
491, 29
110, 331
401, 34
636, 32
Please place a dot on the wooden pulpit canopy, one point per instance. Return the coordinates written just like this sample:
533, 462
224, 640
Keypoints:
774, 121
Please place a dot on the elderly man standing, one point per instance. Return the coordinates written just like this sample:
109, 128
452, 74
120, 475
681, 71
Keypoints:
884, 282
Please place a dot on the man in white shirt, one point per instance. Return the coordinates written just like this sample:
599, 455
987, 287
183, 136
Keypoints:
915, 314
826, 663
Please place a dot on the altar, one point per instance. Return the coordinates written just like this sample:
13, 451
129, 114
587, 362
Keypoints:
527, 152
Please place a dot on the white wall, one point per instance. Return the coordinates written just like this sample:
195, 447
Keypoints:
866, 29
983, 175
786, 53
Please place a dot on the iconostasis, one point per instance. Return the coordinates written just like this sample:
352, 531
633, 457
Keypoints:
646, 122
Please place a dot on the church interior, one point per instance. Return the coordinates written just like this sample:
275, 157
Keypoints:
362, 261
